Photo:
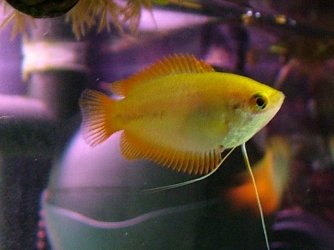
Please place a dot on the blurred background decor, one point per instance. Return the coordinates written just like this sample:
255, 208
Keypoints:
58, 193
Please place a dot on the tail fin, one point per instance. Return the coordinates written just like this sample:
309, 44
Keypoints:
96, 108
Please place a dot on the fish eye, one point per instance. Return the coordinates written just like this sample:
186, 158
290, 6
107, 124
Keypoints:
260, 101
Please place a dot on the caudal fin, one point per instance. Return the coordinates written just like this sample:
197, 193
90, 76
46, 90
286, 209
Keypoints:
96, 108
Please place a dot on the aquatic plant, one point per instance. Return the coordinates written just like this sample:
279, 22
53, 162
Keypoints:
83, 15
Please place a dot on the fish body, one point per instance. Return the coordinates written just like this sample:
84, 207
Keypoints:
203, 111
180, 113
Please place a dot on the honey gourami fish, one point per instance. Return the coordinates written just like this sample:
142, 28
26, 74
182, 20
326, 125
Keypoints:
181, 114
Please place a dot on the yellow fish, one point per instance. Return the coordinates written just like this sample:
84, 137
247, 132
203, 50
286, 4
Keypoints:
181, 114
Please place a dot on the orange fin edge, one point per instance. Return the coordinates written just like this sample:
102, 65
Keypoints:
197, 163
169, 65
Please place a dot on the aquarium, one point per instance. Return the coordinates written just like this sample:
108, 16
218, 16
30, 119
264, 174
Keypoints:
166, 124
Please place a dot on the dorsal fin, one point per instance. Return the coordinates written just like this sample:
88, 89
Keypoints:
170, 65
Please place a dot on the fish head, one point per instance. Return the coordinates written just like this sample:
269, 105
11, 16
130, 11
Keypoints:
264, 103
252, 107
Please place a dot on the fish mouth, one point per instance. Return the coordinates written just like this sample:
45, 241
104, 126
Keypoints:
277, 99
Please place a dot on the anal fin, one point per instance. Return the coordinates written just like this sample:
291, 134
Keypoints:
133, 147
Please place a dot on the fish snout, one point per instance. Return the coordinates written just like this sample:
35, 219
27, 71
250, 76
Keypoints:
277, 99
